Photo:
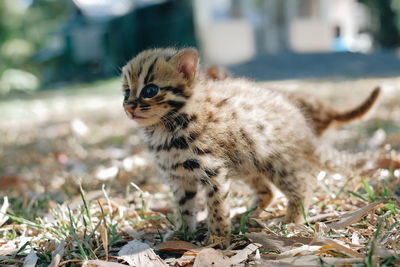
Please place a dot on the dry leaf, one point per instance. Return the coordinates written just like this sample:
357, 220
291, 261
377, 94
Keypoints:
310, 261
176, 245
353, 216
57, 254
31, 259
244, 253
100, 263
298, 251
187, 258
346, 250
104, 239
280, 244
211, 257
140, 254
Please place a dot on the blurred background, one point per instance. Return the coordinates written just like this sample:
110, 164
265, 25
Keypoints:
49, 43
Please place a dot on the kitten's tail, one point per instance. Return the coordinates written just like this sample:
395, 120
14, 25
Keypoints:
360, 110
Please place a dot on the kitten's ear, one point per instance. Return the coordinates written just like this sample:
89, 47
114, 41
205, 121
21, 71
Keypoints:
186, 61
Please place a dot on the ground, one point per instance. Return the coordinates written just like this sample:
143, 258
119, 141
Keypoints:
77, 186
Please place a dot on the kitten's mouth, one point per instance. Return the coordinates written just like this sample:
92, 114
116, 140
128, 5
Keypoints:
136, 117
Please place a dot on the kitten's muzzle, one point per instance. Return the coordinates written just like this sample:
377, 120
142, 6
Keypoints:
130, 107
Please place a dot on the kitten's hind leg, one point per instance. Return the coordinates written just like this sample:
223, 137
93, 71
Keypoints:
297, 187
264, 193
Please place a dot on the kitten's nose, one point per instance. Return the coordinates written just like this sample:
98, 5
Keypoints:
131, 106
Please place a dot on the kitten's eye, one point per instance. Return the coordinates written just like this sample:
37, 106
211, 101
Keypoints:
149, 91
127, 93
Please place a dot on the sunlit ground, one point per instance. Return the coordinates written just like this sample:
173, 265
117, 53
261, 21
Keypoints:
53, 141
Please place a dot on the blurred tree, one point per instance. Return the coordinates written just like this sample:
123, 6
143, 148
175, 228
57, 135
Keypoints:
24, 29
385, 24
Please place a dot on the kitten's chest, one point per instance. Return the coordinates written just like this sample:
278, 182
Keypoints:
169, 151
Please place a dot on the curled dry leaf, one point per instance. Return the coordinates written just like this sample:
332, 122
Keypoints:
353, 216
139, 254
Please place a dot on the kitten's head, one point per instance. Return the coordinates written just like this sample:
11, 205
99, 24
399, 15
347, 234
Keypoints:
158, 82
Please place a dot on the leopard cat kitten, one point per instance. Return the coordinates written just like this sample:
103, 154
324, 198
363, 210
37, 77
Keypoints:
320, 113
202, 132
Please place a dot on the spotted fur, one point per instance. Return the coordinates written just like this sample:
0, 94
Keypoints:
203, 132
320, 113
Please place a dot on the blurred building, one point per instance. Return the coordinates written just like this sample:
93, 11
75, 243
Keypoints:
101, 36
242, 29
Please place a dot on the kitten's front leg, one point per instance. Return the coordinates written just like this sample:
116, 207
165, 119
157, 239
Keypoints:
185, 196
218, 207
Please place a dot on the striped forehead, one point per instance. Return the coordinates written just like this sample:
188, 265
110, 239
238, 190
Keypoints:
146, 74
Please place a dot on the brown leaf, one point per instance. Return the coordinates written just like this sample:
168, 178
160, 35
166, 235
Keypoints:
104, 239
176, 245
353, 216
211, 257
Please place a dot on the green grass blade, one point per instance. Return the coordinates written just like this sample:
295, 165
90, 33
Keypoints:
360, 197
370, 191
243, 220
86, 206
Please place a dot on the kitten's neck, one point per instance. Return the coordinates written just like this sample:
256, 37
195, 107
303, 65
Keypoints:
178, 120
172, 123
